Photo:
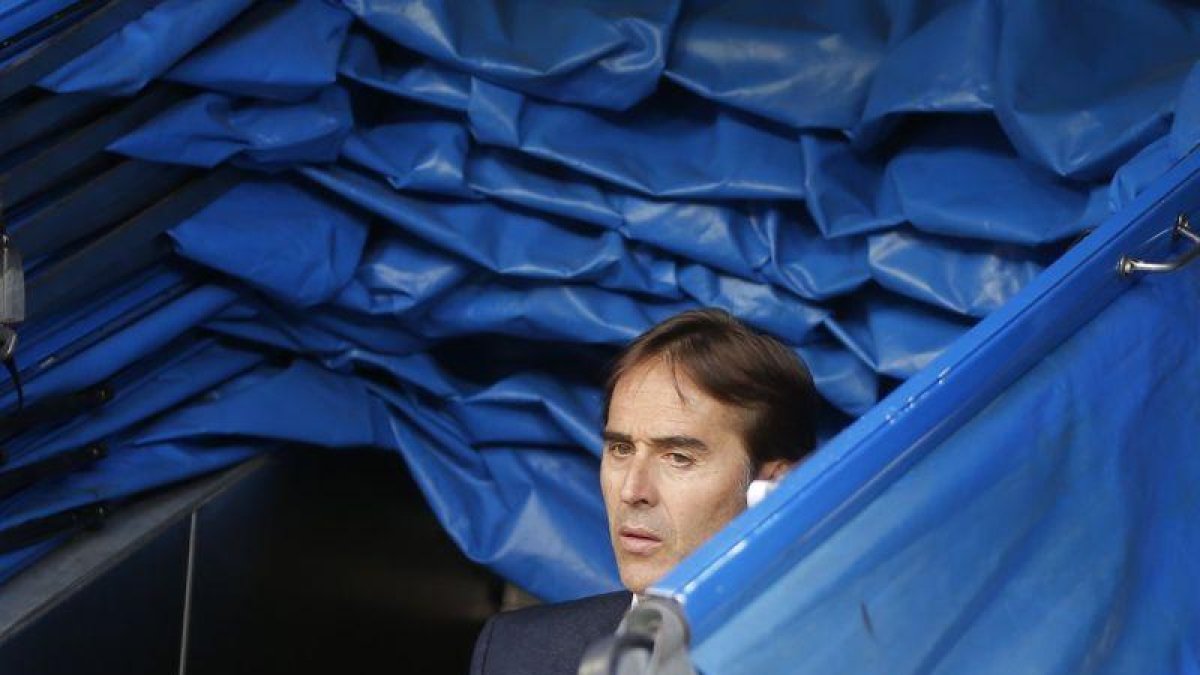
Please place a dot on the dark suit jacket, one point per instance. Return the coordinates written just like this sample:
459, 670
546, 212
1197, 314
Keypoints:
546, 639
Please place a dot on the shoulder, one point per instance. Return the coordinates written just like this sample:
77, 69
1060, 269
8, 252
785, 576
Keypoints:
546, 638
592, 609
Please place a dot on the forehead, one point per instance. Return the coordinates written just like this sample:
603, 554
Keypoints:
654, 398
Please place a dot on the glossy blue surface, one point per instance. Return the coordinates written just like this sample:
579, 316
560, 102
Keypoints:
20, 15
1022, 502
456, 212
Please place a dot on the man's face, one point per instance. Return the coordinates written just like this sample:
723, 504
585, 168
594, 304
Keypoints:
673, 470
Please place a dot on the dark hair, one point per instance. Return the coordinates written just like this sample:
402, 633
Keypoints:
737, 366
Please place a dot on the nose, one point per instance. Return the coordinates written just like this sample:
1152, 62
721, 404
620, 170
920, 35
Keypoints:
638, 486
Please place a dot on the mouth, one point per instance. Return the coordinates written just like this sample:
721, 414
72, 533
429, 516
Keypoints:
638, 541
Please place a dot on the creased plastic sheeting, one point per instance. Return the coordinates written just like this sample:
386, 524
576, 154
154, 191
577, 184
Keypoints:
146, 396
498, 239
421, 155
136, 458
149, 371
1153, 160
954, 177
746, 55
128, 470
674, 145
211, 128
405, 75
841, 377
727, 53
134, 341
895, 337
846, 190
516, 502
145, 48
150, 389
18, 15
72, 332
533, 521
975, 278
1072, 103
286, 51
1185, 127
536, 408
397, 276
960, 178
455, 193
927, 73
1054, 533
1066, 98
481, 308
772, 242
604, 54
299, 248
525, 424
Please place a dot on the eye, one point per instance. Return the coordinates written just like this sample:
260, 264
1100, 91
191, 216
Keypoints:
620, 449
679, 460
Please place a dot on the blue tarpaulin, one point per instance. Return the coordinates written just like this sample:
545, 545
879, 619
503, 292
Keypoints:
1023, 504
451, 215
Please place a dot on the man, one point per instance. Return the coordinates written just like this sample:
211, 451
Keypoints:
695, 408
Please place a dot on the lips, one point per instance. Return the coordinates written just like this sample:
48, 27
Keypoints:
638, 541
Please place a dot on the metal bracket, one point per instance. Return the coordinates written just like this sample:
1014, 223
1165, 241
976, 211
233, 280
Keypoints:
8, 342
651, 640
1127, 266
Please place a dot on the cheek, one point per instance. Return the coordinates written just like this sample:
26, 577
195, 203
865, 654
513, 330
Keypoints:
610, 490
607, 480
700, 514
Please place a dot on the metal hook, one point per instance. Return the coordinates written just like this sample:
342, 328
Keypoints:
1128, 266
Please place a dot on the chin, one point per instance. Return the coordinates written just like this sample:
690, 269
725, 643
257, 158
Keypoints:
636, 588
638, 581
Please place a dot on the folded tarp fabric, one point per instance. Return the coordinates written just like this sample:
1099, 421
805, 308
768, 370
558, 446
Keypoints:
1051, 531
455, 213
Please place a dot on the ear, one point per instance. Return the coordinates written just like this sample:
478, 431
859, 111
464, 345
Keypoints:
773, 470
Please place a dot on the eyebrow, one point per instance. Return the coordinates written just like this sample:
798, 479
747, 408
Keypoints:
678, 442
616, 437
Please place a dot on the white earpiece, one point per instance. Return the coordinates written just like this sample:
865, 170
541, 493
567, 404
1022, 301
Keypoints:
758, 490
